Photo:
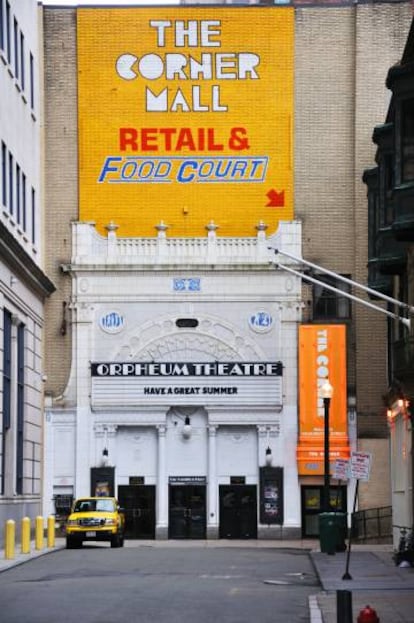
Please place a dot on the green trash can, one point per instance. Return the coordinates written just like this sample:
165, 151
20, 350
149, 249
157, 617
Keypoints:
332, 532
328, 532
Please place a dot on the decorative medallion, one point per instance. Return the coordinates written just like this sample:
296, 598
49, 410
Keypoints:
112, 322
192, 284
261, 322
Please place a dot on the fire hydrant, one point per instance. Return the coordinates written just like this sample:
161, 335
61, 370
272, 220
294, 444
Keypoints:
368, 615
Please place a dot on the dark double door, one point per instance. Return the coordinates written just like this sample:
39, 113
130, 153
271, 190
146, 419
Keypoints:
138, 502
313, 505
238, 511
187, 518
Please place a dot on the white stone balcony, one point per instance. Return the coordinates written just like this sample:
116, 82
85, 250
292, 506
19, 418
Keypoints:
90, 249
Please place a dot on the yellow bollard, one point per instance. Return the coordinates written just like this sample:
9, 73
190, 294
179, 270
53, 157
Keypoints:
25, 544
9, 541
39, 537
51, 531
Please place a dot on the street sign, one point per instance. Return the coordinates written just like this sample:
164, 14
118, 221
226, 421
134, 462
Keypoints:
341, 469
361, 465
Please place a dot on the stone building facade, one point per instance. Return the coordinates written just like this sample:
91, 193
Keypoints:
23, 282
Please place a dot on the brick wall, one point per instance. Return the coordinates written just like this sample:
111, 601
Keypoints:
61, 197
342, 58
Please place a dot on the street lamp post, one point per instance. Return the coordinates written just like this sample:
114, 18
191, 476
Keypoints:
326, 392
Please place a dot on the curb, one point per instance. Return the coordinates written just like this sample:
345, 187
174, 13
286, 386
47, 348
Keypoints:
314, 610
20, 559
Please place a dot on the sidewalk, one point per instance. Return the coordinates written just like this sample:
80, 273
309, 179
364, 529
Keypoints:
376, 582
20, 558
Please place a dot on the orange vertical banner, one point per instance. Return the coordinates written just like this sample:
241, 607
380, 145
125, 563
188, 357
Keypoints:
322, 355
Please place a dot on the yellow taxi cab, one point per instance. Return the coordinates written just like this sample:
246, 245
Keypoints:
95, 519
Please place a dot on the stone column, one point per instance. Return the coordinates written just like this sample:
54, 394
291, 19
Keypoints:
161, 530
212, 513
82, 317
9, 461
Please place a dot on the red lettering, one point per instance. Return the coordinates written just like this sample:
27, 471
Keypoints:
180, 139
201, 139
238, 139
185, 139
128, 137
211, 145
168, 134
148, 135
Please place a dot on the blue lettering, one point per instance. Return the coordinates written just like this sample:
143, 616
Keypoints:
134, 169
159, 172
143, 174
180, 175
107, 168
226, 165
239, 168
206, 169
132, 166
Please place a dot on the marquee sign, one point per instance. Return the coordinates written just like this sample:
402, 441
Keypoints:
179, 369
127, 384
185, 116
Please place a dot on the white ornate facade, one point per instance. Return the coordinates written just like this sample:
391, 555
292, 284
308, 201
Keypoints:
176, 334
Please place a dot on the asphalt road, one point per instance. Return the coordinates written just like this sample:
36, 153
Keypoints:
97, 584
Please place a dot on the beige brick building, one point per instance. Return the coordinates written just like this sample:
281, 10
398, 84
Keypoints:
340, 92
341, 55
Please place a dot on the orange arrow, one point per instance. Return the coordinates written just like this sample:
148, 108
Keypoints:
276, 200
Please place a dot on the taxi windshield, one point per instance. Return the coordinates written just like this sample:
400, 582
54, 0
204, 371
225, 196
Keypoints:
83, 506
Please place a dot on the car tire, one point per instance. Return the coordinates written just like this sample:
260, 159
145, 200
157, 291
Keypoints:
116, 541
72, 543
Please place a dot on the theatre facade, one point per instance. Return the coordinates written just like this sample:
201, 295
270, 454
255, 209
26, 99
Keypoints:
182, 394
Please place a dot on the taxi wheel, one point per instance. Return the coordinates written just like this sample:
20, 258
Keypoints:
116, 541
72, 543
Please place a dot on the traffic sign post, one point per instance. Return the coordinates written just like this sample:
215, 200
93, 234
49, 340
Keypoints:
361, 465
360, 468
341, 469
341, 473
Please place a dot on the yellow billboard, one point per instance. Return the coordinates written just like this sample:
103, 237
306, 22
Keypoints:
186, 118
